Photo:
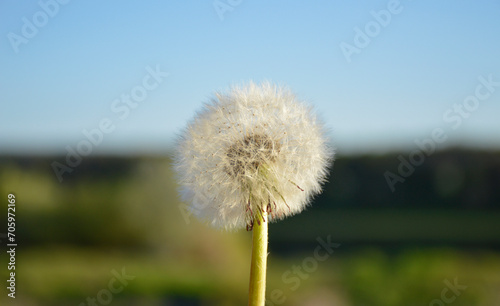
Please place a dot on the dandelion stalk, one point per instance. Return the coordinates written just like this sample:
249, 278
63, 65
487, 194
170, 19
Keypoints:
258, 267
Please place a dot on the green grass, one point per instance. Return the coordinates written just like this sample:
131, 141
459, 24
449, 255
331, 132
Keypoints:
58, 276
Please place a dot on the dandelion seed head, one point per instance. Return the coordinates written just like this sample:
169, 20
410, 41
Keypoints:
256, 148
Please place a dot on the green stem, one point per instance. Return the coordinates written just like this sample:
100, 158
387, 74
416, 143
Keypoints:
258, 268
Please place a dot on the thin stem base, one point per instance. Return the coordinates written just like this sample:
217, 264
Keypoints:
258, 268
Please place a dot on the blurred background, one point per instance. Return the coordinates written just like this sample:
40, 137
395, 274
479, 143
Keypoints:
93, 95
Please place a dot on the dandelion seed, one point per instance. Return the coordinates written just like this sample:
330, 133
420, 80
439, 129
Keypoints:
277, 154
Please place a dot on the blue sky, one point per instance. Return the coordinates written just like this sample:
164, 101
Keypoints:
422, 59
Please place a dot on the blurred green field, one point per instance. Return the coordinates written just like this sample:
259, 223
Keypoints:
67, 276
123, 215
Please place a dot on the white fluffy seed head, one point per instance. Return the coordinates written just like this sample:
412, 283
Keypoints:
256, 148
